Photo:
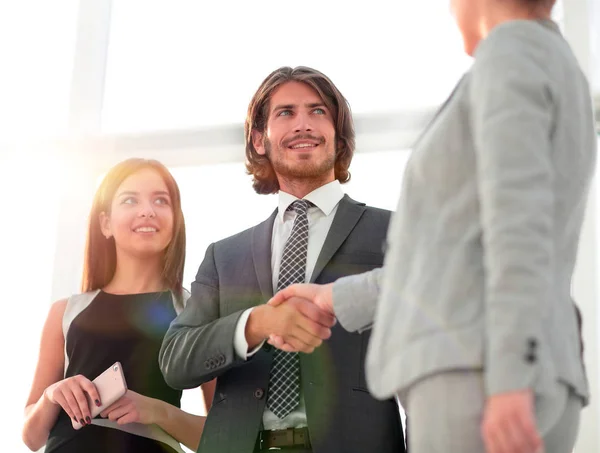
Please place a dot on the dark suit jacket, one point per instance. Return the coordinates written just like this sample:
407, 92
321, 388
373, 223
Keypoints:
236, 275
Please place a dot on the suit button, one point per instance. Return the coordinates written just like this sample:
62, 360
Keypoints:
532, 343
530, 358
259, 393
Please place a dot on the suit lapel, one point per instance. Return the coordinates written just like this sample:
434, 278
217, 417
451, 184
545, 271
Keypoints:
262, 235
346, 217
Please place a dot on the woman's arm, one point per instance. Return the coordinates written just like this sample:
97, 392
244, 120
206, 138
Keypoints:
183, 427
135, 408
512, 119
40, 412
208, 391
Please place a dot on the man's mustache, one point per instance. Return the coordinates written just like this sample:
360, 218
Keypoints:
319, 140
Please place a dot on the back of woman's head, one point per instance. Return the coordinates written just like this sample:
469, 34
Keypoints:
542, 5
100, 252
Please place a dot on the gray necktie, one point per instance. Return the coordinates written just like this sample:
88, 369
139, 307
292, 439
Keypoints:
284, 383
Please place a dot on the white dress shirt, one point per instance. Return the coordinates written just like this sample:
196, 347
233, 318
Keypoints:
320, 217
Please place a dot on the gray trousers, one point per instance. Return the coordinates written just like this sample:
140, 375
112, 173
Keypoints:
445, 411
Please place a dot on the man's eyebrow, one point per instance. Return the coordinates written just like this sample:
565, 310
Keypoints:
284, 106
310, 105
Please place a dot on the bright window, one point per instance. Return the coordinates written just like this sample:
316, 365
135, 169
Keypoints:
595, 48
31, 201
187, 63
37, 44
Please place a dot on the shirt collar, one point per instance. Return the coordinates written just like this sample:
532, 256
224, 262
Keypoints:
325, 198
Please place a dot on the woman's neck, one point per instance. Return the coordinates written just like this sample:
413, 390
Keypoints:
134, 275
498, 13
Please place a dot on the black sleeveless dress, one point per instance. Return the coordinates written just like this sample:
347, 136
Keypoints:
125, 328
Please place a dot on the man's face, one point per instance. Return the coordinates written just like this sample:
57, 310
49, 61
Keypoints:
299, 138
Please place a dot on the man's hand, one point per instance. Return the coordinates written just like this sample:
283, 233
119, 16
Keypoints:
303, 325
319, 295
509, 424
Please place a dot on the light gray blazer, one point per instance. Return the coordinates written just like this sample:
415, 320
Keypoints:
482, 247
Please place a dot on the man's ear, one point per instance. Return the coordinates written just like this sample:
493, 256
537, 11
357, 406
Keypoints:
104, 221
258, 142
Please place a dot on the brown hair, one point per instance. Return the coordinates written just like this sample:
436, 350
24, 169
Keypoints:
537, 5
265, 180
100, 253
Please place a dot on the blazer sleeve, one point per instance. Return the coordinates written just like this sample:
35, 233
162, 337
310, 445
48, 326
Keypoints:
355, 300
198, 345
512, 122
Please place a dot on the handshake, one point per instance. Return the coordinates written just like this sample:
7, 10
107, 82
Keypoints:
297, 319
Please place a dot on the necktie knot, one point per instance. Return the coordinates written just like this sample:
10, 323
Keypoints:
300, 206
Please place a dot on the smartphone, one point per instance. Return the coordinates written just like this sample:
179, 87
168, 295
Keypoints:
111, 386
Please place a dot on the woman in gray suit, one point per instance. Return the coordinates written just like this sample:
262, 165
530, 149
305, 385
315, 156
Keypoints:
473, 322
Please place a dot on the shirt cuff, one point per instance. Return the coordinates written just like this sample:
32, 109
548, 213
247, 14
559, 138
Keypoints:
240, 344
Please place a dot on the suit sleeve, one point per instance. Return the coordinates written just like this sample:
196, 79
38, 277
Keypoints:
512, 113
199, 344
355, 300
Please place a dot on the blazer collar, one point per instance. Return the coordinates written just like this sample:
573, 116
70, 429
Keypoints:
347, 216
261, 254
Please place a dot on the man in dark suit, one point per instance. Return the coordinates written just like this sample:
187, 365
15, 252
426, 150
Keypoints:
299, 143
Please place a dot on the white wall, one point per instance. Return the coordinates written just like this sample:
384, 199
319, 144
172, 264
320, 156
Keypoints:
578, 25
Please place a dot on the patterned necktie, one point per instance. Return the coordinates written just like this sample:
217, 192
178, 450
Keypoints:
284, 382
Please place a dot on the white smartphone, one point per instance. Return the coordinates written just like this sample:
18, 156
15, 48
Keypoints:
111, 386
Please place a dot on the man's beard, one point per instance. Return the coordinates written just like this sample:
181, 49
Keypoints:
309, 170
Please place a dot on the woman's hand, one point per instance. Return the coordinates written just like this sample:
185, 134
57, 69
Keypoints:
70, 394
133, 408
509, 424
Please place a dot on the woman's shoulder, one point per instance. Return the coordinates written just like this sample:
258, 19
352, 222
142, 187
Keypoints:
79, 299
524, 50
74, 305
57, 309
60, 306
530, 39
